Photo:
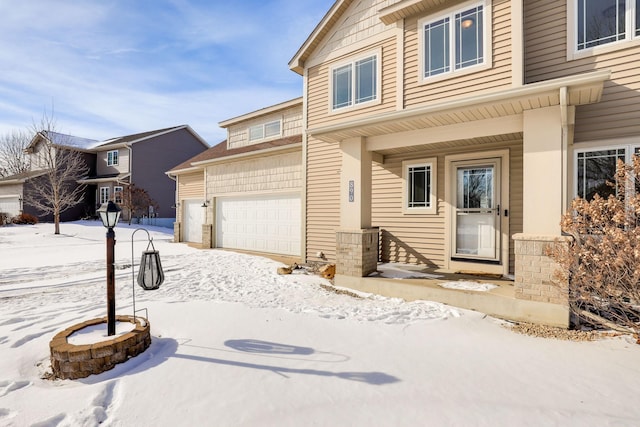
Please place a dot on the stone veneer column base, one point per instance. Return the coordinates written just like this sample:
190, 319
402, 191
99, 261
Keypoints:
207, 236
357, 252
176, 232
534, 275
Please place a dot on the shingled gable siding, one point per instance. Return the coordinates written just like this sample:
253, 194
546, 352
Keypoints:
290, 119
420, 238
618, 113
495, 78
282, 172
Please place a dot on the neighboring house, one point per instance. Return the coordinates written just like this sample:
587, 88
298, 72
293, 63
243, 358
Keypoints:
246, 192
454, 134
141, 159
13, 188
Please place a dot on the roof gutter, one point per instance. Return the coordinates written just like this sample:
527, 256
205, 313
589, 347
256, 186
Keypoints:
528, 90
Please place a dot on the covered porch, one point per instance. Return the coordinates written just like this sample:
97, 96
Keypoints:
495, 296
483, 135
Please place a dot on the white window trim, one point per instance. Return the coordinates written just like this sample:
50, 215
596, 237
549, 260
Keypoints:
352, 61
432, 162
107, 194
487, 22
264, 131
112, 163
116, 190
629, 150
572, 34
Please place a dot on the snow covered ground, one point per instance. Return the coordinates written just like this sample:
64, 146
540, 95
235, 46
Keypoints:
234, 344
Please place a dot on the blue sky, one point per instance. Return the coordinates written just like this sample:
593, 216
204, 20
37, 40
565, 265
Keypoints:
114, 67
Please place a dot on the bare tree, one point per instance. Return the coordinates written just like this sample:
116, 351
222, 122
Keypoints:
13, 159
62, 165
137, 201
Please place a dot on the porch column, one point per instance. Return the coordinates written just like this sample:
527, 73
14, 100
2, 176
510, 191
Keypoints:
356, 241
545, 165
543, 170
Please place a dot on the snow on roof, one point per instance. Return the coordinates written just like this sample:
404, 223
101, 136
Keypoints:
70, 140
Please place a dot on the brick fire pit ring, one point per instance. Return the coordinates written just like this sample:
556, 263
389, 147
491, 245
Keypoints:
70, 361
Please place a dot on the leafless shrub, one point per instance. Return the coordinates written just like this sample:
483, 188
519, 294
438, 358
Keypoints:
602, 262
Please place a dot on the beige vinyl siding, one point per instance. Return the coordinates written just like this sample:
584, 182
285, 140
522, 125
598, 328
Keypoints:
262, 174
495, 78
290, 125
516, 192
618, 113
319, 82
420, 238
190, 186
323, 198
359, 22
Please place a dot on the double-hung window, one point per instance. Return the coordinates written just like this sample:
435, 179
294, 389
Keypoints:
117, 195
112, 158
596, 170
104, 195
419, 177
600, 22
264, 131
454, 41
355, 83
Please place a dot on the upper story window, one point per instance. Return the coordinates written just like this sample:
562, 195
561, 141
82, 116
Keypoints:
419, 186
265, 130
356, 82
601, 22
454, 41
112, 158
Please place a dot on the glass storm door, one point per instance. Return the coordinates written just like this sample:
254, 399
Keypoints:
477, 220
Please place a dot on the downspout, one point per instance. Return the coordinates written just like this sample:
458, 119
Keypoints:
130, 163
128, 147
564, 118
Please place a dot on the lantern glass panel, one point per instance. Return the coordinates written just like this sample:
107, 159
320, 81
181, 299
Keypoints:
150, 275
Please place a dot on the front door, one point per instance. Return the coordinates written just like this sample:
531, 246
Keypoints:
476, 217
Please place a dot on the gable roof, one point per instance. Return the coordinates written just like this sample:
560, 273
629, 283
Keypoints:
220, 152
21, 177
62, 140
322, 29
263, 111
137, 137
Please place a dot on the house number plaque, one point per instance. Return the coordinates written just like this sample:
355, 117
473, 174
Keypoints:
352, 191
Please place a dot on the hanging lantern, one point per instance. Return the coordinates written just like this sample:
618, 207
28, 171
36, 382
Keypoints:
150, 275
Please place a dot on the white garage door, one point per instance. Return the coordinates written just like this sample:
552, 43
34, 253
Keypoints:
193, 218
10, 205
264, 224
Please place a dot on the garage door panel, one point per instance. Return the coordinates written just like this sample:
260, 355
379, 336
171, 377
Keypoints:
265, 224
193, 220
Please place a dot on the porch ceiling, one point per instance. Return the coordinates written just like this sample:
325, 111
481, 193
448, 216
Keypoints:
581, 89
508, 137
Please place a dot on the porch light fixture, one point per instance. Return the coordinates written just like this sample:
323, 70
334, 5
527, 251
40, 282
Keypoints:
110, 214
205, 204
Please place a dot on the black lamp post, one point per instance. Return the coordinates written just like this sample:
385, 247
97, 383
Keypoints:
110, 214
